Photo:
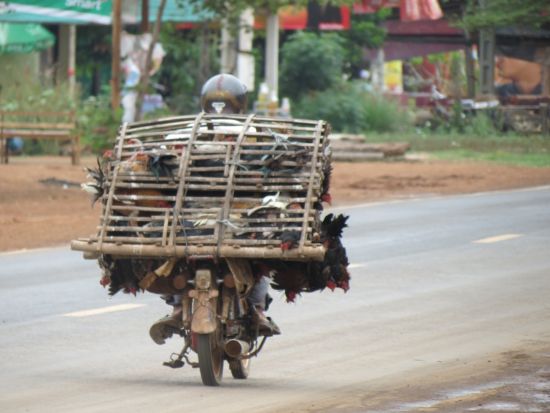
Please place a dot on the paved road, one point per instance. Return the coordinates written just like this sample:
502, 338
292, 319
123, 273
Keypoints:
447, 294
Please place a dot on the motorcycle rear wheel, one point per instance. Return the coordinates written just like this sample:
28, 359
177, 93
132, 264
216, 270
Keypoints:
240, 368
210, 359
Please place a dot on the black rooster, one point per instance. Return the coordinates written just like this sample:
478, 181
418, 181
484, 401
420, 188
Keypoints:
325, 185
336, 259
118, 275
283, 150
289, 239
318, 276
97, 187
295, 277
161, 164
290, 277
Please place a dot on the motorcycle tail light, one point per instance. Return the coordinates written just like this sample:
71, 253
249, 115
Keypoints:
202, 279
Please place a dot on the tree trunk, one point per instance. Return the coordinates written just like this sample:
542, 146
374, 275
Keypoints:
115, 59
145, 75
204, 59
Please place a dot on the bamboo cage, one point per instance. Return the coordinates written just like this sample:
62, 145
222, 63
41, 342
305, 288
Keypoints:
229, 186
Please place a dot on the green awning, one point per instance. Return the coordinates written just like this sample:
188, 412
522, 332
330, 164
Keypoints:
95, 11
181, 11
24, 38
57, 11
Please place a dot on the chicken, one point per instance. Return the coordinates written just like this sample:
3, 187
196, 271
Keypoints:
289, 240
161, 164
335, 260
133, 193
118, 275
283, 150
325, 184
97, 187
318, 276
289, 276
269, 202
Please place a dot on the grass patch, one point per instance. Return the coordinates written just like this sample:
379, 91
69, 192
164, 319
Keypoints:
511, 149
508, 158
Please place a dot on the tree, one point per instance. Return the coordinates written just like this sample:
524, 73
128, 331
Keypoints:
310, 62
191, 58
145, 75
93, 55
505, 13
366, 31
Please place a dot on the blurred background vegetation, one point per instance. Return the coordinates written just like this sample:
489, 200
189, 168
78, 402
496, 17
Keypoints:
319, 73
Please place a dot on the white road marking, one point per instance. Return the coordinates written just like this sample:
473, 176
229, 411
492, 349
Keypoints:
497, 238
356, 265
103, 310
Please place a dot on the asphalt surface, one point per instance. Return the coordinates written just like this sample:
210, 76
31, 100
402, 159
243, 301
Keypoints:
448, 311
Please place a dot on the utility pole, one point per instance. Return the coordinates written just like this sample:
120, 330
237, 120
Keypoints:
486, 58
144, 16
67, 56
228, 49
115, 53
272, 56
245, 58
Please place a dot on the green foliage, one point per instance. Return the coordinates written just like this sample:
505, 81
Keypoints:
498, 147
27, 94
351, 110
93, 56
310, 62
505, 13
30, 95
230, 10
98, 124
365, 31
181, 73
458, 121
482, 124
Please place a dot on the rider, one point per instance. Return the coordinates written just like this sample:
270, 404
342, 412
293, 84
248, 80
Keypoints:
222, 94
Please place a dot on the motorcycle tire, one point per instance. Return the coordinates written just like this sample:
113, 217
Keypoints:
240, 368
211, 356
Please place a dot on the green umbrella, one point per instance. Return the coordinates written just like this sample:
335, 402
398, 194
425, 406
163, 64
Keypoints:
24, 38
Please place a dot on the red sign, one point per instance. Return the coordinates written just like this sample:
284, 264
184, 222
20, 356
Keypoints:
372, 6
315, 16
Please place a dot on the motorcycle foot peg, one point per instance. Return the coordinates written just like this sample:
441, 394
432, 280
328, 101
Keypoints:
175, 364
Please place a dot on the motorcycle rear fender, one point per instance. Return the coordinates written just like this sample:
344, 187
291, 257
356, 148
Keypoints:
204, 317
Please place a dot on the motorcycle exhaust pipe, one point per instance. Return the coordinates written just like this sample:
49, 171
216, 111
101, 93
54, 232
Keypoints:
236, 348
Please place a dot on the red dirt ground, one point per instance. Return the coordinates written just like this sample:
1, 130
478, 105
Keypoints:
35, 214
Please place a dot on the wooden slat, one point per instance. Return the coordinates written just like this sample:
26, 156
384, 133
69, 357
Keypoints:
307, 253
40, 125
311, 180
110, 198
27, 133
184, 164
37, 114
230, 179
24, 125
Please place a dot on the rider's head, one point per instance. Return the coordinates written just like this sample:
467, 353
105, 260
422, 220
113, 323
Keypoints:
223, 93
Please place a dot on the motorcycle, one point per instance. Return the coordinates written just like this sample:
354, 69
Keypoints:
200, 207
217, 322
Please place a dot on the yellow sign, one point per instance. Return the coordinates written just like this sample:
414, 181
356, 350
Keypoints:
393, 76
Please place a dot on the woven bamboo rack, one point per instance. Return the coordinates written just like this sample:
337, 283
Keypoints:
237, 183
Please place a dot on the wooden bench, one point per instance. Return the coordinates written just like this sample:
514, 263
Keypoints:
38, 125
